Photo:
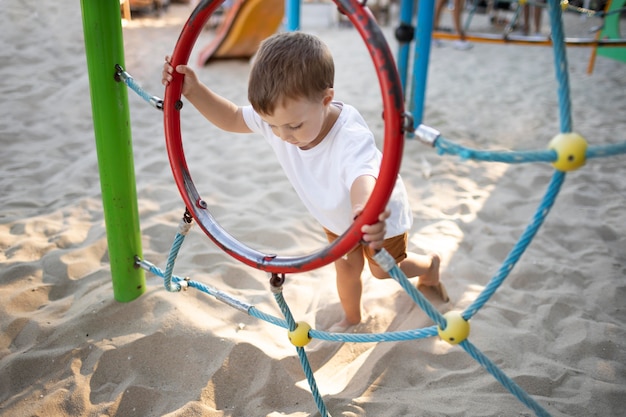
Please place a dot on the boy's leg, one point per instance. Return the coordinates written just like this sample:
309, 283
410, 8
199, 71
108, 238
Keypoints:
430, 278
349, 286
348, 281
425, 267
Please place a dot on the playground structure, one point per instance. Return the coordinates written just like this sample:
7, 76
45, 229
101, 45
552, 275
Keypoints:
607, 41
610, 30
568, 151
247, 22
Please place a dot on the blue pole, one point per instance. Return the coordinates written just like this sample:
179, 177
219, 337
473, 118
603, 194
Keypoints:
423, 37
404, 30
292, 11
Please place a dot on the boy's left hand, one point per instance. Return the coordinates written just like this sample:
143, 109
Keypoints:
374, 234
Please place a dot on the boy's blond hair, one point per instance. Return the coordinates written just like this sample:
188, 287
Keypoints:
290, 65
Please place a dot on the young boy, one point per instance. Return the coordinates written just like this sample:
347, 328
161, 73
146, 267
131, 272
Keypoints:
326, 150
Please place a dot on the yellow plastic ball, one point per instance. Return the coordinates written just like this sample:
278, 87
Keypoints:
571, 151
564, 4
457, 328
300, 336
522, 2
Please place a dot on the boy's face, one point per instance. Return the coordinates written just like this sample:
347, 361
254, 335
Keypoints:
302, 122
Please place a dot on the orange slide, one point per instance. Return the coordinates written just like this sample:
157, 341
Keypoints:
245, 25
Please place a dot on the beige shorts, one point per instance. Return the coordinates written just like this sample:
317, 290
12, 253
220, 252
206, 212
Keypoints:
396, 246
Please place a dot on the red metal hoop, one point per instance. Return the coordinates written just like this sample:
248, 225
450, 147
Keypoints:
393, 103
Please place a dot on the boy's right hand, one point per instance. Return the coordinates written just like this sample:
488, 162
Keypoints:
189, 81
374, 234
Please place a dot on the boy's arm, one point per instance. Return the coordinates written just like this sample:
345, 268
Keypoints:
360, 192
221, 112
215, 108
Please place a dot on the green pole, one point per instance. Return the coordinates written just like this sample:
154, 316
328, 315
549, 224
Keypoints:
104, 48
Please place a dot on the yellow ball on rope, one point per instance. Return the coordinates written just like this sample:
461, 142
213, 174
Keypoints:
300, 335
457, 328
571, 151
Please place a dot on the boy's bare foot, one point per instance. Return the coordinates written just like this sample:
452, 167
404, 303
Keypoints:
341, 327
438, 289
431, 278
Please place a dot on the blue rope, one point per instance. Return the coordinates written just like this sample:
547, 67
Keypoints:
254, 312
520, 246
445, 146
501, 377
221, 296
512, 157
304, 361
284, 308
399, 276
606, 150
560, 65
132, 84
375, 337
171, 260
388, 264
306, 367
397, 336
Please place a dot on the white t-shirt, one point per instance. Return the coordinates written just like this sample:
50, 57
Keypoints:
323, 175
